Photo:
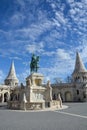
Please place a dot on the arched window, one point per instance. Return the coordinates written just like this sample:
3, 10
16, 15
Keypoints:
54, 97
77, 92
6, 97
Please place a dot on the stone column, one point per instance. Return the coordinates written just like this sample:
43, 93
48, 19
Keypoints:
8, 96
2, 97
33, 81
43, 105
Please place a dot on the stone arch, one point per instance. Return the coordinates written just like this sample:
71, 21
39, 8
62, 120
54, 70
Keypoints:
6, 96
54, 96
0, 97
68, 96
13, 96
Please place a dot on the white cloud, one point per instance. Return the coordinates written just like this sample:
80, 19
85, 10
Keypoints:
15, 58
34, 30
17, 19
23, 75
2, 76
82, 48
62, 54
70, 1
61, 65
53, 6
48, 53
56, 22
60, 17
21, 3
26, 63
76, 16
33, 48
78, 13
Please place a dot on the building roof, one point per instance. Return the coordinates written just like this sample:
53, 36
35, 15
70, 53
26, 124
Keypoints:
79, 66
12, 73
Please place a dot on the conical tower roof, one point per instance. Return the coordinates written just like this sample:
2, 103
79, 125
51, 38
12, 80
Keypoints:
79, 66
12, 73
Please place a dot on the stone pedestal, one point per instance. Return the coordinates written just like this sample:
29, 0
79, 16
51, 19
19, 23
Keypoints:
34, 96
35, 92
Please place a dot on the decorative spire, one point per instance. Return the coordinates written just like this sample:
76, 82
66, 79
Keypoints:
79, 66
12, 73
11, 78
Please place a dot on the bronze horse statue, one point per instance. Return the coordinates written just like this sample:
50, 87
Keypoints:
34, 63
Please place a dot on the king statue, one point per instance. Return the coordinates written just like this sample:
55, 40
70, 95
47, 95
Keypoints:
34, 63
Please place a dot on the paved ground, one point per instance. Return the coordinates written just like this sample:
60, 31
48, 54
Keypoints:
73, 118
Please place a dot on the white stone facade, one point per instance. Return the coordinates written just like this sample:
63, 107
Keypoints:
77, 89
10, 83
33, 96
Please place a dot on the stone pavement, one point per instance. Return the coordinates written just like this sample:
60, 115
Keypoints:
45, 120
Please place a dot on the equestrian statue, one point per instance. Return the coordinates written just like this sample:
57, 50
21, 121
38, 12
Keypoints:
34, 64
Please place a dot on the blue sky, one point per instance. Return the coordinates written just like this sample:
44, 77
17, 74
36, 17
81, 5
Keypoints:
52, 29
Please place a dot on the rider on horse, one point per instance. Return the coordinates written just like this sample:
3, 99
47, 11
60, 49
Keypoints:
34, 63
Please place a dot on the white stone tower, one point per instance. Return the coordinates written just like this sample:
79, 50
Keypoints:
12, 79
80, 73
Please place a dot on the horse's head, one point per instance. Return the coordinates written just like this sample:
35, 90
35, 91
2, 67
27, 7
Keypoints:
37, 58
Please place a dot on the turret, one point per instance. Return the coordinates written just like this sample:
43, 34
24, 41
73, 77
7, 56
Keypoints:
12, 79
80, 73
